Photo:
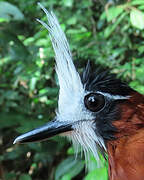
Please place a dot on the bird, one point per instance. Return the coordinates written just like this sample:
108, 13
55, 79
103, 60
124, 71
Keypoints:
96, 110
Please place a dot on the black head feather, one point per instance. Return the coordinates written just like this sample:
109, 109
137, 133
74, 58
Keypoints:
104, 81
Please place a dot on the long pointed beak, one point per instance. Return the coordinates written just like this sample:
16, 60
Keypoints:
44, 132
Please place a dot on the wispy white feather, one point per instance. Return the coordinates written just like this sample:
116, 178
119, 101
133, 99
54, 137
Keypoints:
69, 79
85, 136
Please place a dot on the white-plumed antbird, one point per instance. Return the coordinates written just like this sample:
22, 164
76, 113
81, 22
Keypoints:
86, 104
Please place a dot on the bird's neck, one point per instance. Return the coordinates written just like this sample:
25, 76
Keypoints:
126, 152
126, 158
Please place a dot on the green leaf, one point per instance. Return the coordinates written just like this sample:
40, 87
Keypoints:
141, 7
136, 2
10, 176
108, 31
8, 120
113, 12
48, 91
33, 82
66, 177
103, 16
137, 18
3, 20
141, 49
70, 151
72, 20
25, 177
11, 95
99, 173
9, 11
67, 3
69, 166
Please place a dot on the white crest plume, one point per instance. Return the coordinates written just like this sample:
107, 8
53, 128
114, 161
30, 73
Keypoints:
69, 79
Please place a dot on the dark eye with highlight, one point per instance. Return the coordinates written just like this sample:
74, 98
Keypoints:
94, 102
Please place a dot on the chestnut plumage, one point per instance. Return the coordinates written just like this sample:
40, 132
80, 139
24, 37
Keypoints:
96, 111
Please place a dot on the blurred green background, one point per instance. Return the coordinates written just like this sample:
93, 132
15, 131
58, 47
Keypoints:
109, 33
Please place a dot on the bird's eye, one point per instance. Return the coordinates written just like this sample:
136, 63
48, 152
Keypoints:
94, 102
